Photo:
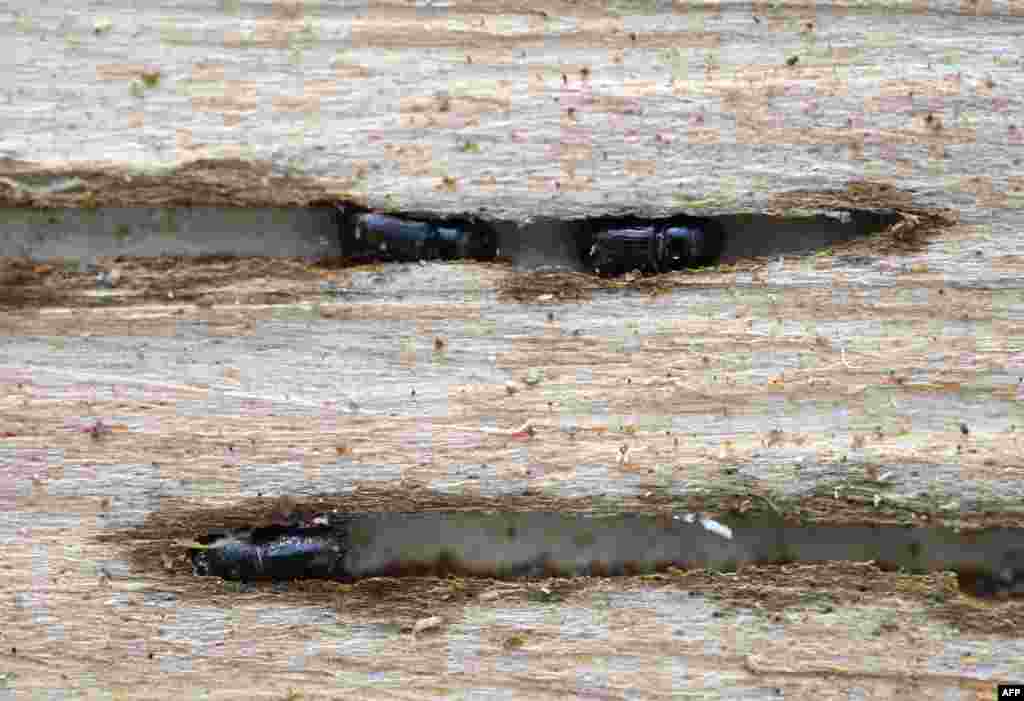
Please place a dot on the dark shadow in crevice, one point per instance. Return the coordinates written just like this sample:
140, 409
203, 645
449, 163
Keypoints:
752, 235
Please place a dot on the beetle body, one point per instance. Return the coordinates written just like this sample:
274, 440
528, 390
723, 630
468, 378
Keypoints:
620, 250
651, 248
278, 553
384, 237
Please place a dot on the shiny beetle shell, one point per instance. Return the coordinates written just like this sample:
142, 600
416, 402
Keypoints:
650, 249
620, 250
273, 553
393, 238
680, 246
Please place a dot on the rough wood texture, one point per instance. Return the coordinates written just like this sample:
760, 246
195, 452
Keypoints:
560, 109
791, 385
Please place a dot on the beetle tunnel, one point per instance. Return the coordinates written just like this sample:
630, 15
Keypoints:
511, 545
609, 245
606, 245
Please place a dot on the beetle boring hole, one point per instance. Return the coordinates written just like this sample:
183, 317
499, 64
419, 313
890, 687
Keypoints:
610, 245
753, 235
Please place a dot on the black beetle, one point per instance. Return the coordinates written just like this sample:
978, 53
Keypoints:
652, 248
371, 235
277, 553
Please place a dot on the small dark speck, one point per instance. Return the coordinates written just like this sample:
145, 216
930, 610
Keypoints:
757, 19
565, 79
150, 655
963, 429
792, 60
551, 316
632, 36
629, 380
412, 392
14, 651
978, 253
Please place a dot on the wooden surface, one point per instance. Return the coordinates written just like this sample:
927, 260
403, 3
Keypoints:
790, 385
686, 105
